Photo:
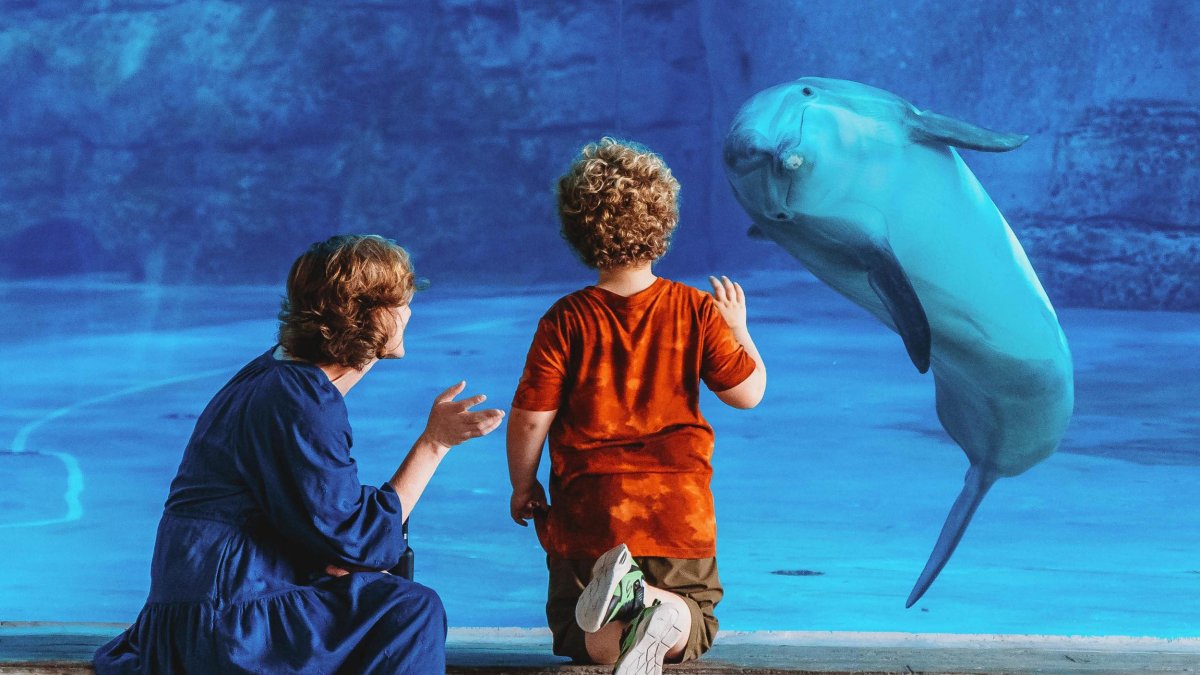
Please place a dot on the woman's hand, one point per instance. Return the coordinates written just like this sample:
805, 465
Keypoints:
731, 301
528, 503
342, 570
452, 422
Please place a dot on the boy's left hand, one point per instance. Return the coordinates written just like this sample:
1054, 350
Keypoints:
731, 301
528, 503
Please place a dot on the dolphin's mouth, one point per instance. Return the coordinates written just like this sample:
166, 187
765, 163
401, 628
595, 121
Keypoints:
763, 172
787, 200
746, 151
788, 163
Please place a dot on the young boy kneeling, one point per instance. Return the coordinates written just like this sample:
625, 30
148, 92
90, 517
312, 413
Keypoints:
613, 377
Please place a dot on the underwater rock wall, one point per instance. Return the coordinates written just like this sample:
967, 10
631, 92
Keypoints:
1121, 227
210, 140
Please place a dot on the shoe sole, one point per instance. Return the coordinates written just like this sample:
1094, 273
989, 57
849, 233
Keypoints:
651, 647
593, 603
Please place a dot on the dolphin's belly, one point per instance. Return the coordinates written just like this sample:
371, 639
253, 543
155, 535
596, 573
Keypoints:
1002, 367
975, 281
1005, 411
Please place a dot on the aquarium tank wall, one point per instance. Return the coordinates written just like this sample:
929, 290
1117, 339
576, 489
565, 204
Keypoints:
168, 142
163, 163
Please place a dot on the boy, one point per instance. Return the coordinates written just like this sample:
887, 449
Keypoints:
613, 377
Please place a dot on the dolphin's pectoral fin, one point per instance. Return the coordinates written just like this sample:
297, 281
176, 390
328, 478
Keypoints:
979, 480
930, 126
756, 232
892, 286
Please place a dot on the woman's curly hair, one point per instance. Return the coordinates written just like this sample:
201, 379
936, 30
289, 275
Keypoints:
618, 204
339, 293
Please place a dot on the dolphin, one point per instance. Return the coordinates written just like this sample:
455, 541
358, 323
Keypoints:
869, 194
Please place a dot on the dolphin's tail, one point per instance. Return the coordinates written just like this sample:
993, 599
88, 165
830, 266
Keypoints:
977, 484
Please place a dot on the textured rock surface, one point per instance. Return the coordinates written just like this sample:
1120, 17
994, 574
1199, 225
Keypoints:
180, 141
1121, 227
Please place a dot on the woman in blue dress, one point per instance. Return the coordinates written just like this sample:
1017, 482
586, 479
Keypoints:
271, 555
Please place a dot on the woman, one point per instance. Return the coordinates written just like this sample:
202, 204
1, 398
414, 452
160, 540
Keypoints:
270, 555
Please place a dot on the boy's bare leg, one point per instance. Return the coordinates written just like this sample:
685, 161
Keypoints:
604, 646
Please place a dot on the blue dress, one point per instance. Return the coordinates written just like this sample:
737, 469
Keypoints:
267, 495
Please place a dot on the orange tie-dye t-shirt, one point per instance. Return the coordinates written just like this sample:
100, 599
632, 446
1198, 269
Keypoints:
630, 453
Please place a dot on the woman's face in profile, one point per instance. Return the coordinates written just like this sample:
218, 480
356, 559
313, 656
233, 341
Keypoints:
395, 344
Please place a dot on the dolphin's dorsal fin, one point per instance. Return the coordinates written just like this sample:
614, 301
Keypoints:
929, 126
891, 284
978, 481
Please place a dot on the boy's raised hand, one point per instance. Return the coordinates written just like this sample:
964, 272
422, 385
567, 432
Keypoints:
731, 301
452, 422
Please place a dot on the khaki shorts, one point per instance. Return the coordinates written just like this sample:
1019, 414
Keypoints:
696, 581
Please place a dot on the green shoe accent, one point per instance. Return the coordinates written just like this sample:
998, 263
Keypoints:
630, 634
629, 599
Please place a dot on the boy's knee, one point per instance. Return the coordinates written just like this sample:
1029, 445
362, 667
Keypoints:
704, 628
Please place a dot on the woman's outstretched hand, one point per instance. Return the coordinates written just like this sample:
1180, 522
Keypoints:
452, 422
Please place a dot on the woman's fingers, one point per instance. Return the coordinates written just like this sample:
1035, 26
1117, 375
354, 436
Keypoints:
468, 403
450, 393
452, 422
486, 421
475, 424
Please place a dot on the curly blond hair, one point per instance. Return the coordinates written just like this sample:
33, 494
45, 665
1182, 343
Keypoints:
618, 204
339, 293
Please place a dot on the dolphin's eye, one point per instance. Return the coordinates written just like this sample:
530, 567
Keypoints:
807, 91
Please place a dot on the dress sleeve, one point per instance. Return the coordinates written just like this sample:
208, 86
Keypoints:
310, 490
725, 362
545, 373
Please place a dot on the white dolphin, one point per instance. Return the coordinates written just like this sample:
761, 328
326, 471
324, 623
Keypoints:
870, 195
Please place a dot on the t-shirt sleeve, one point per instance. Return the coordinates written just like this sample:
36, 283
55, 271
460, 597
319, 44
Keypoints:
725, 362
312, 494
545, 373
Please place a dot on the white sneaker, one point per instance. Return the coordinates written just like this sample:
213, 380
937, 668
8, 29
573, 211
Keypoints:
647, 640
615, 592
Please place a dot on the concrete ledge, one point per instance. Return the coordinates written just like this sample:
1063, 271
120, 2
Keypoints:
44, 648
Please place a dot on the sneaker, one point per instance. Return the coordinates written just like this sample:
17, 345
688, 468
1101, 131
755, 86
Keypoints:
615, 593
647, 640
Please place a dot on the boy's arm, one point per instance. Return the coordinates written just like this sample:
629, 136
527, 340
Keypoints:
527, 431
731, 302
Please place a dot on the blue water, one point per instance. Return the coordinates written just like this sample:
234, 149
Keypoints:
830, 494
